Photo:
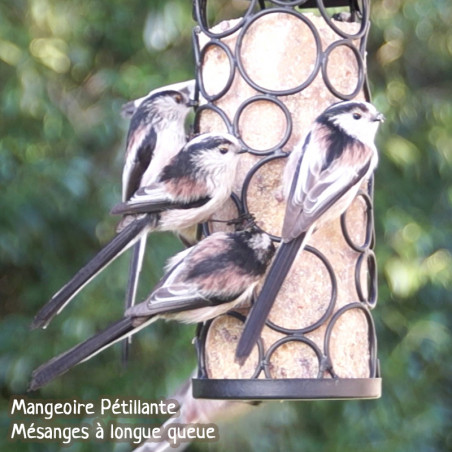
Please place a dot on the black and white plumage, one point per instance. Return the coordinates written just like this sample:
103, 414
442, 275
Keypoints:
197, 181
200, 283
129, 108
156, 134
321, 179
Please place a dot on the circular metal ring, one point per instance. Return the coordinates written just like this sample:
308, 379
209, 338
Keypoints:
247, 181
200, 17
216, 110
201, 336
364, 22
328, 310
371, 299
283, 341
369, 237
227, 51
359, 60
273, 100
289, 2
373, 362
317, 64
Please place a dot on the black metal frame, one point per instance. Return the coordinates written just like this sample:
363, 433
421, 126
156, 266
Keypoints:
331, 387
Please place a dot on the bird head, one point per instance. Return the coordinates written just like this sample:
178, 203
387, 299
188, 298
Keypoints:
359, 120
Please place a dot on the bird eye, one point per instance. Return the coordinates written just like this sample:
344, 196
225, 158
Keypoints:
224, 150
356, 116
178, 98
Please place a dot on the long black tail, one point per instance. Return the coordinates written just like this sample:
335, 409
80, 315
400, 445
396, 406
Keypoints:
81, 352
136, 263
254, 324
123, 240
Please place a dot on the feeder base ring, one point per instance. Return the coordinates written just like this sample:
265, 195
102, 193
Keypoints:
287, 389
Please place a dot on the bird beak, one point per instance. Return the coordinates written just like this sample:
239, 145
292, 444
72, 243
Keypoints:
188, 89
380, 117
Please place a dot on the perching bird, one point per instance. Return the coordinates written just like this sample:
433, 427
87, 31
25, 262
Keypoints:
321, 179
198, 180
200, 283
156, 134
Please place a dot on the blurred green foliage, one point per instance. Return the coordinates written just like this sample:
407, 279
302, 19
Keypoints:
66, 67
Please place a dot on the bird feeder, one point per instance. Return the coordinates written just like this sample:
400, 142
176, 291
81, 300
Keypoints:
265, 77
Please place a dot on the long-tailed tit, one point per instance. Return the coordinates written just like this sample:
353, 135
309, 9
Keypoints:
197, 181
200, 283
156, 134
320, 181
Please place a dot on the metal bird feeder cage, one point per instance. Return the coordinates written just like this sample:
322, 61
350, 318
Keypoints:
264, 77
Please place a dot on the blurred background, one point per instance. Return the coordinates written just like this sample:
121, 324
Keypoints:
66, 67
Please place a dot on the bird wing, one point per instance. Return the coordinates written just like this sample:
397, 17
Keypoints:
194, 280
176, 298
141, 142
319, 183
154, 199
172, 293
323, 175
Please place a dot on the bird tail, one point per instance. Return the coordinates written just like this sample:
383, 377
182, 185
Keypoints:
136, 264
108, 254
255, 321
82, 352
